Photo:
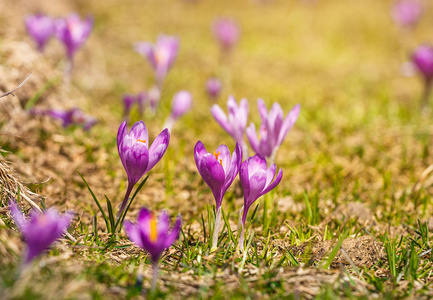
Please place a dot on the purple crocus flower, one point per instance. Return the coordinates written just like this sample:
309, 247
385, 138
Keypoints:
153, 235
256, 180
136, 155
213, 87
226, 31
41, 29
422, 58
273, 129
180, 105
236, 122
73, 32
161, 55
41, 230
407, 13
73, 116
218, 170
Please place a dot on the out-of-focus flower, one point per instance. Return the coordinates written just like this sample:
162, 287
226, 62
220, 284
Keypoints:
73, 32
73, 116
161, 55
136, 155
256, 180
41, 230
154, 96
407, 13
236, 122
180, 105
153, 235
213, 87
423, 60
273, 129
41, 28
130, 99
218, 170
226, 31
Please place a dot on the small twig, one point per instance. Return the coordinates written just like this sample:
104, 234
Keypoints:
11, 92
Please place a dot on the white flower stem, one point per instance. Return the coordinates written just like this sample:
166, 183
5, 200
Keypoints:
241, 229
217, 226
155, 277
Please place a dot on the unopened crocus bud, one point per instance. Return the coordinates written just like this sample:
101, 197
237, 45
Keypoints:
407, 13
227, 32
41, 28
181, 104
213, 87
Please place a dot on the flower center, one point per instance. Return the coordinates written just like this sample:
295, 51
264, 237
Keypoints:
143, 141
153, 230
216, 156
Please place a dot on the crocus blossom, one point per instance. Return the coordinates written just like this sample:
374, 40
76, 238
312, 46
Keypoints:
180, 105
236, 121
256, 180
136, 155
407, 13
73, 32
213, 87
41, 28
422, 58
73, 116
41, 230
153, 235
161, 55
226, 31
218, 170
273, 129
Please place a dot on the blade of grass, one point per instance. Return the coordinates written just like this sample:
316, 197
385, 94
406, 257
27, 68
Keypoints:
96, 201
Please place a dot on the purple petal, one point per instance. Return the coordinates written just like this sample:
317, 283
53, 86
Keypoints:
234, 165
224, 157
256, 163
263, 111
274, 183
17, 214
158, 148
257, 183
133, 233
174, 234
221, 118
213, 174
252, 138
288, 123
139, 132
199, 152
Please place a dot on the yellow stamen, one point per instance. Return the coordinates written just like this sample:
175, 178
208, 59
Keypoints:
216, 156
143, 141
153, 230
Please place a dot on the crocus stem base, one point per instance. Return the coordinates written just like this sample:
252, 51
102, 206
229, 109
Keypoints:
125, 200
241, 230
154, 277
216, 230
